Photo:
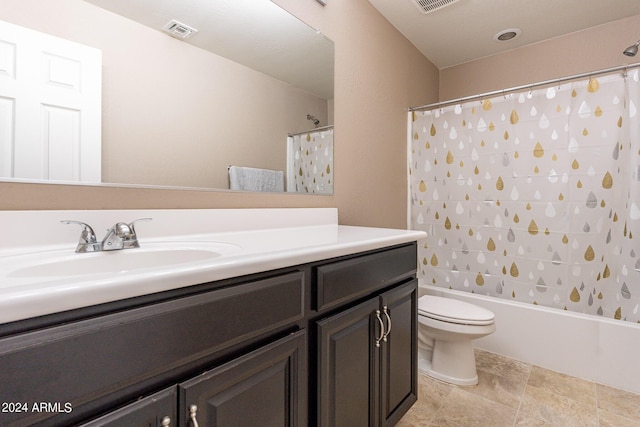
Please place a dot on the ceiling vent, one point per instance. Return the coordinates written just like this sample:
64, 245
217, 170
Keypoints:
179, 30
428, 6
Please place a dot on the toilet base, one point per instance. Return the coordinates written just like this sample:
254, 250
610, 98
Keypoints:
453, 362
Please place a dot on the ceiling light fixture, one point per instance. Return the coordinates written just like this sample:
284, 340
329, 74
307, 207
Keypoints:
508, 34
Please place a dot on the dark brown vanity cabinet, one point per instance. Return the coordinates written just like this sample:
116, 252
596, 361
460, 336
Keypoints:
83, 369
366, 338
367, 363
294, 347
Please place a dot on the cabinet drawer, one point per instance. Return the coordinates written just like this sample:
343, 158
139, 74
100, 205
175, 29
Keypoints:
87, 360
342, 281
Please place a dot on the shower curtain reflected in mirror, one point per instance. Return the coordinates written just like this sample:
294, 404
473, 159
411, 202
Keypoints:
310, 161
534, 196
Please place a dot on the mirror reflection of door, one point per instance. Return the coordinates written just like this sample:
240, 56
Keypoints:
50, 107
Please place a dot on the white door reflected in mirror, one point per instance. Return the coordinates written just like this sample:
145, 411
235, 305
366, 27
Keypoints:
50, 107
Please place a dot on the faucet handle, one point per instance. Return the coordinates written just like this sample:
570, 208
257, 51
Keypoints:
139, 220
131, 238
122, 236
88, 241
132, 228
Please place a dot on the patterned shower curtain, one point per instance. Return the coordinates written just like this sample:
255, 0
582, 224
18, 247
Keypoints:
534, 196
311, 162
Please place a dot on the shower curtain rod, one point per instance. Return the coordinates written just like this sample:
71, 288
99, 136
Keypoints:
320, 129
529, 86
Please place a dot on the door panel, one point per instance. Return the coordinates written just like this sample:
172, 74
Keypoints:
51, 95
263, 388
159, 409
399, 352
348, 367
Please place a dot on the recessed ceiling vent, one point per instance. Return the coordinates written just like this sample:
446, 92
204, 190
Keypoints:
179, 30
428, 6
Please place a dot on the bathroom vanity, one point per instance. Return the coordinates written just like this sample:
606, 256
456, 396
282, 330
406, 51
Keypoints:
311, 332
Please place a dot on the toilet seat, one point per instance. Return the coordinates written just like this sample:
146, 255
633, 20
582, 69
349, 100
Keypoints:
454, 311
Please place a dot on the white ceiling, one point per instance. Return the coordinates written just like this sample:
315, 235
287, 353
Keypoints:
464, 31
255, 33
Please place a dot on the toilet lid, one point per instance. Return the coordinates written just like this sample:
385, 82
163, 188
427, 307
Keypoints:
454, 311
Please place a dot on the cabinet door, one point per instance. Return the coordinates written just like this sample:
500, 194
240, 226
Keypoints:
399, 352
265, 388
348, 362
157, 410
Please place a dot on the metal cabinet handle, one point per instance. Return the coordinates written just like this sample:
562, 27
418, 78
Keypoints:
381, 328
193, 411
166, 421
386, 313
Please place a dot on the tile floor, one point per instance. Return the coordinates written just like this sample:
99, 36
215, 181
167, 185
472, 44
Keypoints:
514, 393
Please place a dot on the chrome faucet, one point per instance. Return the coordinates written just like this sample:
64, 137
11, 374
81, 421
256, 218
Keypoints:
88, 241
119, 236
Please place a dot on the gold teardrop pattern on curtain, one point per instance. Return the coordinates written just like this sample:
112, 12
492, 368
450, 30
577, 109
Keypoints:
538, 151
598, 112
589, 254
513, 118
575, 295
540, 168
313, 159
449, 158
514, 270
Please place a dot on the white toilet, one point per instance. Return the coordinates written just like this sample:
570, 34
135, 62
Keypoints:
445, 329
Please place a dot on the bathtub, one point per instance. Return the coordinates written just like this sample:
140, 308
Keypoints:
603, 350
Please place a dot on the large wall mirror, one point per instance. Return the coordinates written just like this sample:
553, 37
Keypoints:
249, 92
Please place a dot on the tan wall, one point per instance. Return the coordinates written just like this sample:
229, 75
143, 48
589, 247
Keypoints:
374, 69
580, 52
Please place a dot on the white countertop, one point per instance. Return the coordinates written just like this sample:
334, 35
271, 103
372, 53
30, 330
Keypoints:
257, 240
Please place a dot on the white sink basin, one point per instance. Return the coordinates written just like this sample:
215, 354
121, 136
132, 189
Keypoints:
149, 256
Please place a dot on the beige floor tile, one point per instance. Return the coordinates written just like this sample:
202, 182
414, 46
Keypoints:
608, 419
619, 402
418, 416
469, 410
501, 365
546, 405
442, 423
504, 389
431, 392
513, 393
525, 421
431, 396
563, 385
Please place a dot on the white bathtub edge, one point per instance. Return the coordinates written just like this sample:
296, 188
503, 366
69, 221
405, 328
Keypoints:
597, 349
